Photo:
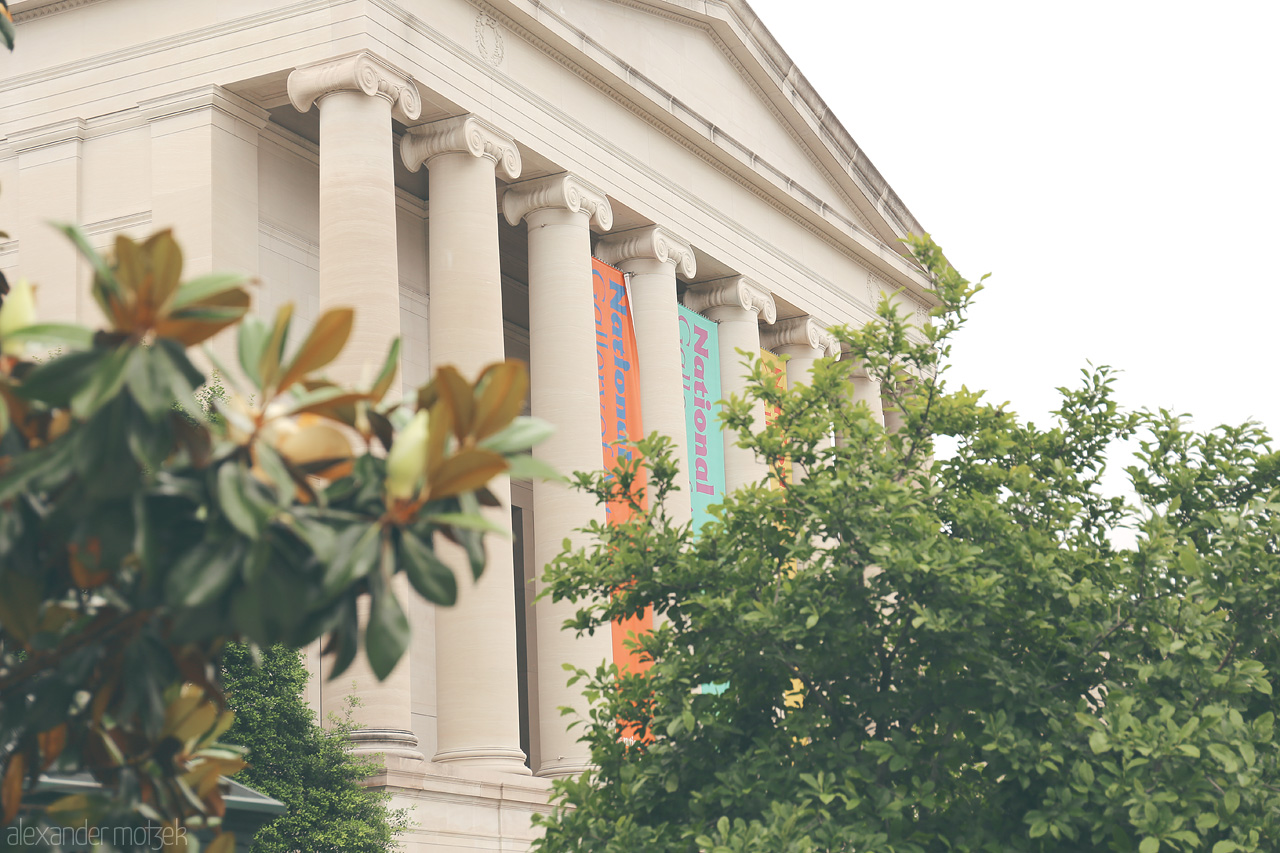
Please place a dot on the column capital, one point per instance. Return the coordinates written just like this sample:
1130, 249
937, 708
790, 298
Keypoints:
736, 290
650, 243
557, 192
798, 332
357, 72
461, 134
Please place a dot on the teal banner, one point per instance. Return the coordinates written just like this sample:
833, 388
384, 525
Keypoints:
700, 362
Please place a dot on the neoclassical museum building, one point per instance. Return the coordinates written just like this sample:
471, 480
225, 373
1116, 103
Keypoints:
624, 193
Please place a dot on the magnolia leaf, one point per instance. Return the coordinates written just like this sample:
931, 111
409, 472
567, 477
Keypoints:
272, 355
387, 635
238, 503
252, 341
204, 573
465, 471
104, 278
56, 382
197, 323
522, 434
344, 641
269, 468
501, 390
19, 604
103, 385
314, 442
66, 335
387, 375
456, 399
432, 579
469, 521
11, 786
164, 257
200, 289
327, 338
526, 467
355, 554
6, 28
148, 385
328, 401
51, 743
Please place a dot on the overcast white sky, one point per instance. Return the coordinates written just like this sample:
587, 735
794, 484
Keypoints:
1114, 165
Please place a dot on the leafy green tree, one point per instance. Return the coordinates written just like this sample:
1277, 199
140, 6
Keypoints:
304, 765
932, 652
138, 539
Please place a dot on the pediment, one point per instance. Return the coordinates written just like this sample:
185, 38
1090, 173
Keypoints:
715, 68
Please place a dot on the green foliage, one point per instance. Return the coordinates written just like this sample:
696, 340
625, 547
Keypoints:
940, 654
305, 766
138, 538
6, 25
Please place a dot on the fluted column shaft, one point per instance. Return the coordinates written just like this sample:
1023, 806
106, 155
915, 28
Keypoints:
564, 389
477, 684
652, 256
357, 96
738, 305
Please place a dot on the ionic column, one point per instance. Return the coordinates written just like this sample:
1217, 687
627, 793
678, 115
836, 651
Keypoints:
652, 256
565, 391
803, 340
357, 96
737, 304
476, 670
866, 390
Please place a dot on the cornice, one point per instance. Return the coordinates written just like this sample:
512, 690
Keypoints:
557, 192
873, 251
205, 98
769, 105
800, 332
357, 72
33, 9
798, 92
652, 243
461, 134
734, 291
69, 130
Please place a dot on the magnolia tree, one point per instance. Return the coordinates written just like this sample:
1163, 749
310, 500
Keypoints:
915, 651
139, 537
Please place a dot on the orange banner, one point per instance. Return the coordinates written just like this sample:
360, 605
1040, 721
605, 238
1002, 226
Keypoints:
620, 422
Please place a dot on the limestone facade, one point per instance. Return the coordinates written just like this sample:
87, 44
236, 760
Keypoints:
450, 167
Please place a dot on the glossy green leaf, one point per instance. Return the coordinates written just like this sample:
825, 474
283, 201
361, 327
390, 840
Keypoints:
430, 577
526, 467
103, 385
56, 382
238, 500
387, 375
66, 335
522, 434
387, 635
201, 288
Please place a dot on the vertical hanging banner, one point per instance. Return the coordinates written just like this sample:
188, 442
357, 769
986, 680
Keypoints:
704, 441
777, 368
619, 373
